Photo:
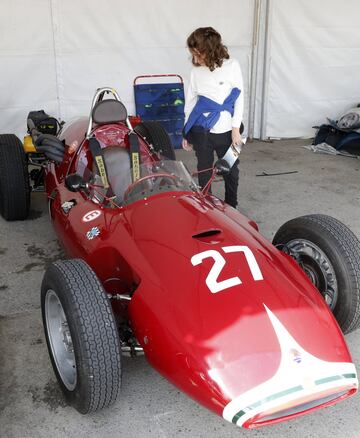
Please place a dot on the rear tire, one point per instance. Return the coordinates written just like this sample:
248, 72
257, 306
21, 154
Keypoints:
155, 134
326, 248
81, 335
14, 179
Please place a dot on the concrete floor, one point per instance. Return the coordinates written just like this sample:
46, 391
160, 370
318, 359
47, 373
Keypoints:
31, 404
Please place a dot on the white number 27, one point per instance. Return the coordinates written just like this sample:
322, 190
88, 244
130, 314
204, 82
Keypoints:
219, 262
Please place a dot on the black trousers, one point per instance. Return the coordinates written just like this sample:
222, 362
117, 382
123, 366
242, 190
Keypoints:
205, 144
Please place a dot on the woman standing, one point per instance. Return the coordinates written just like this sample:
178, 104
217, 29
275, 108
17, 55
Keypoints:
214, 106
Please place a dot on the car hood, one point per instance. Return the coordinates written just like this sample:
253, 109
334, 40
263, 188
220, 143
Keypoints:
226, 316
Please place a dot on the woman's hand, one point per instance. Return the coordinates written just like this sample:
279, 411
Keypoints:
186, 145
236, 137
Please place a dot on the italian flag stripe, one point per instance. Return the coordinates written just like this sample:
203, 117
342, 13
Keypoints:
265, 400
290, 391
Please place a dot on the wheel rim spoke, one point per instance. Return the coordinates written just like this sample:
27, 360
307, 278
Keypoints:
317, 266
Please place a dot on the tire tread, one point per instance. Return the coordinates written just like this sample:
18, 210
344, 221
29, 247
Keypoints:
99, 335
155, 134
348, 245
14, 179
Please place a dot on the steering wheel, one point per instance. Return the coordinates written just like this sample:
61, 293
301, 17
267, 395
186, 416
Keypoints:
146, 177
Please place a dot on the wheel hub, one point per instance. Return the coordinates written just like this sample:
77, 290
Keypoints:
66, 337
311, 275
317, 267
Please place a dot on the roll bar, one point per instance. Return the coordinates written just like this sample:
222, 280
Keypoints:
99, 96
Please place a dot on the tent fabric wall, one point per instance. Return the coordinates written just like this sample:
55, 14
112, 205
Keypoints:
55, 53
27, 69
314, 64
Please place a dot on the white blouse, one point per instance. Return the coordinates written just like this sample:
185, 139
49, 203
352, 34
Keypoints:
217, 85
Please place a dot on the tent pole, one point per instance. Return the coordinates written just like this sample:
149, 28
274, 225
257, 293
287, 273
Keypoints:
266, 71
254, 68
55, 31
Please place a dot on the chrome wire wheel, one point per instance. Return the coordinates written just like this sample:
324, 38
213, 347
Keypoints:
60, 340
317, 267
329, 253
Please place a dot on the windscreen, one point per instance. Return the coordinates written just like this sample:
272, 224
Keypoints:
156, 177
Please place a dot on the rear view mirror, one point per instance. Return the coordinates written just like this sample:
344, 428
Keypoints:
75, 183
222, 167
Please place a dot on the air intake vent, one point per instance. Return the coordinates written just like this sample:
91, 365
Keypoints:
206, 233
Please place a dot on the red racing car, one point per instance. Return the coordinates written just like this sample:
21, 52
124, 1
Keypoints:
250, 329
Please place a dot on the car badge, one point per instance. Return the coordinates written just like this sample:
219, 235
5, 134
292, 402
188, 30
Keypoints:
91, 215
296, 355
67, 206
92, 233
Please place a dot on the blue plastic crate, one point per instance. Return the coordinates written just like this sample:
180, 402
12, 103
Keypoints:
163, 103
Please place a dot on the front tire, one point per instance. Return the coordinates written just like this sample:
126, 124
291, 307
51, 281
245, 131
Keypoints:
81, 335
329, 253
14, 179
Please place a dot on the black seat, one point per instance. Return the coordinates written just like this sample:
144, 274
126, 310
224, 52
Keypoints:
117, 161
109, 111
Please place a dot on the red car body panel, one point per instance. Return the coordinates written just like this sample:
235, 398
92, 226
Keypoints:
191, 331
215, 346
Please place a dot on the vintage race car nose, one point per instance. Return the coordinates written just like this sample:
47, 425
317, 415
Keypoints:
301, 384
237, 325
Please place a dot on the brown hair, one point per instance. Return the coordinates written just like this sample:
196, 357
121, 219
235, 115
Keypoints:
208, 43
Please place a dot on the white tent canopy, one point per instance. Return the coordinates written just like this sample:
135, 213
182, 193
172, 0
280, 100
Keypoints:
314, 64
300, 59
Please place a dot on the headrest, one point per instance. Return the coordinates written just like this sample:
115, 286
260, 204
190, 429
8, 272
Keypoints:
109, 111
